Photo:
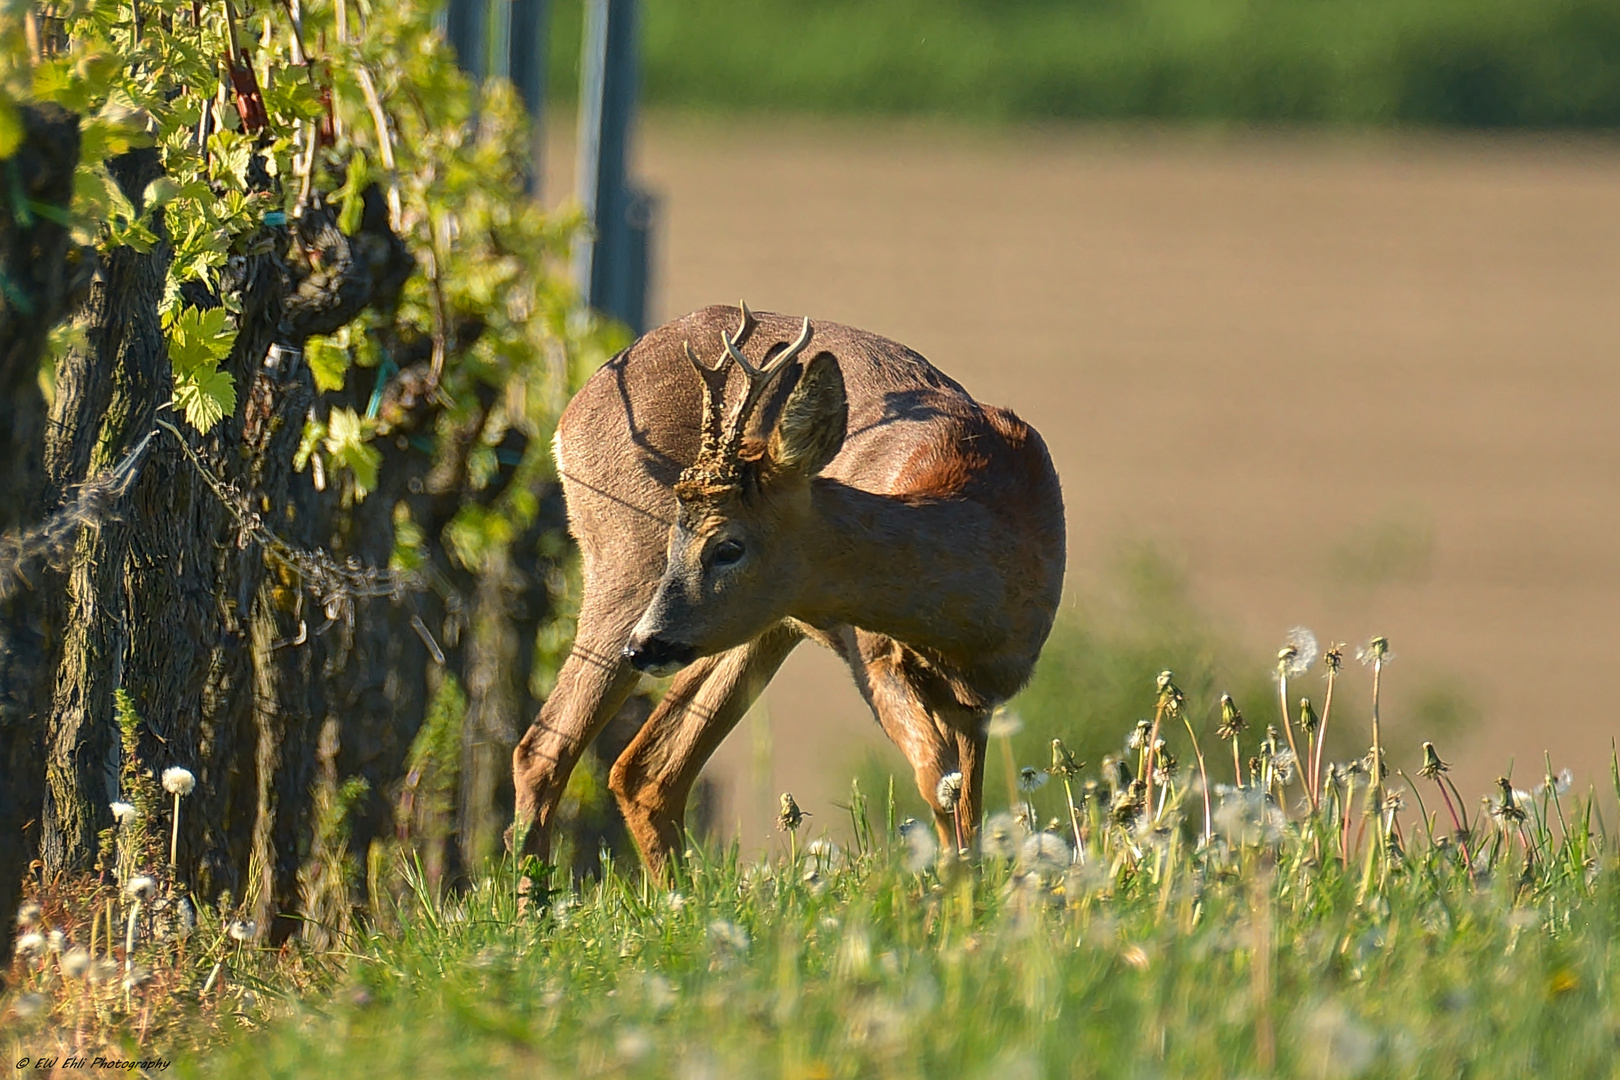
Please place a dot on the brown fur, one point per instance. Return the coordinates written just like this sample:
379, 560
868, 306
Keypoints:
928, 552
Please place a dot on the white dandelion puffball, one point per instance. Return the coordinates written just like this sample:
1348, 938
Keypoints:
1045, 853
123, 813
948, 791
178, 781
1003, 724
1031, 778
1296, 657
141, 888
242, 931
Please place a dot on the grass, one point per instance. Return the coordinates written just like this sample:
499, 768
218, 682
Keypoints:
1374, 938
1469, 63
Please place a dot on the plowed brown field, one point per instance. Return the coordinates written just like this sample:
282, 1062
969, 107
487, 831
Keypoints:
1253, 351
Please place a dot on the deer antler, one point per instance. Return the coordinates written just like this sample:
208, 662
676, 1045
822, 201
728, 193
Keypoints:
716, 464
759, 380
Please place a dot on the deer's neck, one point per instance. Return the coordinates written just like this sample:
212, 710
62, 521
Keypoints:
922, 572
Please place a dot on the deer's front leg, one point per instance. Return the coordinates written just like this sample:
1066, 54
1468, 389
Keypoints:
653, 777
592, 685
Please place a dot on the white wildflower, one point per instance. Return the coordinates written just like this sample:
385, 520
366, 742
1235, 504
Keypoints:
178, 781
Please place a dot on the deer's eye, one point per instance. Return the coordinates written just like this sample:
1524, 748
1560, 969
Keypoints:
727, 552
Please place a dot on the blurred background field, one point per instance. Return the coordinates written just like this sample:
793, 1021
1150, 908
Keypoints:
1490, 63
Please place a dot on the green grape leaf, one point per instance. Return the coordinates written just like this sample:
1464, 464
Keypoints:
206, 394
199, 339
328, 362
346, 436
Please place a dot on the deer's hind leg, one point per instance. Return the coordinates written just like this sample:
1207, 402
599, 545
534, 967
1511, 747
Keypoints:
653, 777
936, 737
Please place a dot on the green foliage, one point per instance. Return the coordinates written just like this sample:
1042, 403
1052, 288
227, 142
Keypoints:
198, 341
1470, 63
1251, 958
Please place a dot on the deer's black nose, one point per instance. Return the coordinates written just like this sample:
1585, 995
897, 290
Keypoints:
656, 656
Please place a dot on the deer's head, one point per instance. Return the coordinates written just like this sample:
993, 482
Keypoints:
736, 558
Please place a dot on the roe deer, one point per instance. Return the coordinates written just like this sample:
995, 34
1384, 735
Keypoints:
853, 494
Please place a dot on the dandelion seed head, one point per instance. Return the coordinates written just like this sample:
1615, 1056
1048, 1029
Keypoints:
30, 945
1031, 778
999, 837
56, 941
75, 962
1296, 657
727, 935
141, 887
178, 781
1139, 735
135, 976
948, 791
27, 914
1003, 724
240, 930
29, 1005
826, 855
104, 970
1044, 853
123, 813
919, 849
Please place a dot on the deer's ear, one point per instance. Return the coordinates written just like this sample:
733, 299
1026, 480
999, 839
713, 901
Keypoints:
811, 427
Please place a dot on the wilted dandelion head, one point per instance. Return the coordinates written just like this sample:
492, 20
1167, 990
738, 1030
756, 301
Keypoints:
178, 781
1044, 853
1308, 720
790, 817
1505, 807
1003, 724
141, 887
1031, 779
1000, 836
948, 792
919, 849
1232, 722
1063, 760
1297, 654
1375, 651
1139, 735
123, 813
1333, 658
1432, 765
1171, 699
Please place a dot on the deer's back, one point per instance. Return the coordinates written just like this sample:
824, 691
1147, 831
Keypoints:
913, 433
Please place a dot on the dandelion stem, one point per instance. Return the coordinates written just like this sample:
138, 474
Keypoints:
1322, 730
174, 837
1148, 753
1203, 776
1288, 729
